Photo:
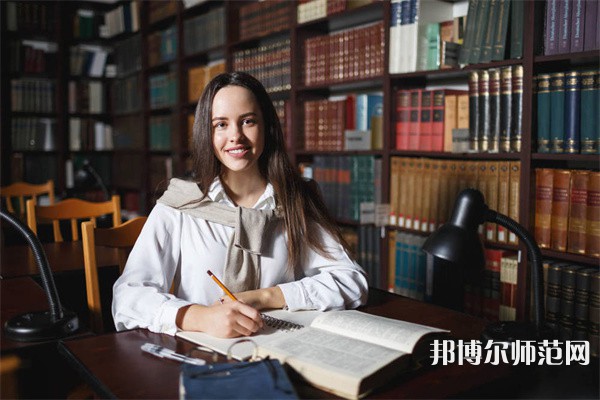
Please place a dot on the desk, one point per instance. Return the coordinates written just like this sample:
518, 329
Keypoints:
114, 365
18, 260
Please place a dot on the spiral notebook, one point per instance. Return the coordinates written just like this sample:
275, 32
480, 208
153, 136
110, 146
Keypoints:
277, 323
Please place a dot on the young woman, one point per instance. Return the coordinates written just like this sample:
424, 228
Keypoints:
249, 217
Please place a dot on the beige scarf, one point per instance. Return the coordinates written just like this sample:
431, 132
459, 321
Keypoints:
242, 264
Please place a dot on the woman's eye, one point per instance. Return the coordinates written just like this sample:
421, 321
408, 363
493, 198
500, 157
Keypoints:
219, 125
249, 122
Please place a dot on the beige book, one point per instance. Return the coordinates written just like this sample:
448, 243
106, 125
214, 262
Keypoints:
394, 190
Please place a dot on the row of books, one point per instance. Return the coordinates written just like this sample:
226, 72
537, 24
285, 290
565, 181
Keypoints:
205, 31
259, 19
494, 31
33, 133
127, 55
127, 132
160, 132
86, 97
86, 23
198, 78
407, 265
349, 54
125, 18
159, 10
269, 63
124, 94
87, 60
31, 56
163, 90
425, 119
162, 46
424, 35
309, 10
87, 134
330, 124
368, 252
571, 26
572, 297
567, 112
567, 210
30, 16
423, 191
496, 110
33, 95
34, 169
346, 182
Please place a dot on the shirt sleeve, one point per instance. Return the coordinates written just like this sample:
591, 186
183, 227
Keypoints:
141, 297
329, 283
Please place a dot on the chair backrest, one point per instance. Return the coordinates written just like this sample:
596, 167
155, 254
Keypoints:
73, 210
22, 191
122, 237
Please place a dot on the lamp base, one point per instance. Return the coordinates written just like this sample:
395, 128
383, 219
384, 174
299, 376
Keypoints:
40, 326
509, 331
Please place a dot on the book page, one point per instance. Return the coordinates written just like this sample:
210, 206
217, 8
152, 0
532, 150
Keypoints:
395, 334
243, 351
328, 350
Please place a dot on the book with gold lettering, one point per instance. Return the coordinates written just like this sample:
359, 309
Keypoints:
348, 353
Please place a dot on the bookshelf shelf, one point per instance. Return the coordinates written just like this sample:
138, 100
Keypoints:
571, 257
356, 16
567, 157
340, 153
557, 60
457, 156
345, 86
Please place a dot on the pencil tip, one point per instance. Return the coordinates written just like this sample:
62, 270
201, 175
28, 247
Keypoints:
209, 273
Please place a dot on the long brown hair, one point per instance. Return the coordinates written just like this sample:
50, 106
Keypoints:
300, 200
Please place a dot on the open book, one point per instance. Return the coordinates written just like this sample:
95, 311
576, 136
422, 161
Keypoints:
348, 353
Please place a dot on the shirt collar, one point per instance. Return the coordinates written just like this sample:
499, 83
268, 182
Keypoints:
216, 193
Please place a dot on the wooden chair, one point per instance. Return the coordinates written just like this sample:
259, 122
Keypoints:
122, 237
22, 191
72, 209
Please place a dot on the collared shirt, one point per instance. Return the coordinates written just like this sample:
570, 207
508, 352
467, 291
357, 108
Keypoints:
177, 247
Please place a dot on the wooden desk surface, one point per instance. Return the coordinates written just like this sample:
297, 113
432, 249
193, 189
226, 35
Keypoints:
116, 367
18, 260
19, 296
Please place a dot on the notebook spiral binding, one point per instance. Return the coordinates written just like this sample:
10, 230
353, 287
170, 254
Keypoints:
280, 324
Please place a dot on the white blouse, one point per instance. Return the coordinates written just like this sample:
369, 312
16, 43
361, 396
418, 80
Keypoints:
177, 247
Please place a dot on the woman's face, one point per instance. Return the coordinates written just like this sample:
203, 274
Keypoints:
238, 129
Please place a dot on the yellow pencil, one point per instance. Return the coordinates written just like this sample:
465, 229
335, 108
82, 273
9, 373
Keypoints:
227, 292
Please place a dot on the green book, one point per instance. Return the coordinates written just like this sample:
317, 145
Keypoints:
557, 112
543, 113
481, 21
490, 30
499, 40
433, 46
516, 28
465, 51
589, 112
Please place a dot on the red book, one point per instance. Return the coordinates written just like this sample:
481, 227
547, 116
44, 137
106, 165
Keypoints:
414, 123
425, 120
403, 119
491, 284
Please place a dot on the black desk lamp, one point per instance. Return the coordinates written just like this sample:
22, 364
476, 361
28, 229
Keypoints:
43, 325
88, 177
458, 242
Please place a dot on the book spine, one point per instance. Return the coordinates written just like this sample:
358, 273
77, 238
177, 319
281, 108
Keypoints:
589, 113
544, 183
465, 51
577, 212
590, 25
481, 22
404, 194
450, 120
508, 282
557, 112
434, 214
505, 109
490, 29
577, 21
414, 123
483, 136
564, 27
494, 141
491, 196
582, 300
560, 209
425, 181
437, 120
513, 196
403, 115
417, 216
543, 113
473, 110
594, 313
553, 285
572, 112
592, 242
551, 28
425, 121
517, 109
516, 34
567, 301
394, 190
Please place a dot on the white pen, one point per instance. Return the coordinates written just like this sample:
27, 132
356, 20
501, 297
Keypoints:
163, 352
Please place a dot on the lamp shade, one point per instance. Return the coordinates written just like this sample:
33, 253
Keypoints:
458, 240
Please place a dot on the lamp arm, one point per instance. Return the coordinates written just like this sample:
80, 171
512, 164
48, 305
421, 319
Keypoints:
56, 311
98, 180
535, 258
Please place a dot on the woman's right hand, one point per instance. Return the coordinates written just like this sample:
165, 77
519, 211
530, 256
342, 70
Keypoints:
227, 320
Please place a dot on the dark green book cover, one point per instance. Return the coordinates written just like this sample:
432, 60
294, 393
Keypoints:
465, 50
505, 109
589, 113
481, 21
543, 113
489, 33
516, 29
